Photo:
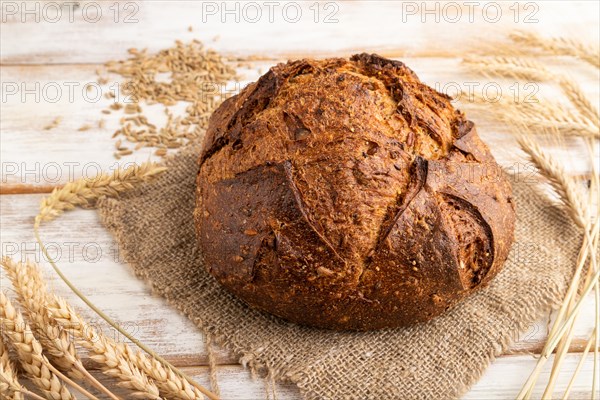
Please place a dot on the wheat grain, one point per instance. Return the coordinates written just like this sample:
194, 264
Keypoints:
549, 118
197, 76
85, 192
541, 117
510, 67
580, 101
170, 385
55, 122
29, 351
32, 294
564, 186
9, 383
111, 355
559, 46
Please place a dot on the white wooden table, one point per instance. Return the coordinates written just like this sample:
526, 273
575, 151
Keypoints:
48, 48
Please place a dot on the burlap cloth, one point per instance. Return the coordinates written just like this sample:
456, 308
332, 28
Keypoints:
153, 226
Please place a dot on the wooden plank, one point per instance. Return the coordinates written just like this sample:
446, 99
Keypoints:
502, 381
397, 28
46, 159
36, 160
87, 254
506, 375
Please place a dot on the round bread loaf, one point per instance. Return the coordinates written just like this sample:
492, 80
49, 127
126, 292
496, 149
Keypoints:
346, 194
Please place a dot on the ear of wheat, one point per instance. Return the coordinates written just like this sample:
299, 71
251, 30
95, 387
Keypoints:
540, 118
510, 67
559, 46
28, 282
9, 383
554, 121
85, 192
580, 101
561, 333
31, 291
29, 351
553, 171
110, 355
60, 351
170, 385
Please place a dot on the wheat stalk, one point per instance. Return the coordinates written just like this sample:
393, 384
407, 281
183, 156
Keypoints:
559, 46
577, 209
588, 345
32, 294
85, 192
597, 339
29, 350
111, 355
565, 324
594, 187
565, 341
564, 319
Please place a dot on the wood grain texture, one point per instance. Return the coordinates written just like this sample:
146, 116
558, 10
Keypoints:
502, 381
64, 54
393, 28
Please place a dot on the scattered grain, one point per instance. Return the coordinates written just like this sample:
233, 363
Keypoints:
55, 122
194, 74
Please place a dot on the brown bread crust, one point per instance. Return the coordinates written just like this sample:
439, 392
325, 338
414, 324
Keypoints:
346, 194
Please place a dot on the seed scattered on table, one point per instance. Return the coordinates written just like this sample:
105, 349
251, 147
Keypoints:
55, 122
196, 76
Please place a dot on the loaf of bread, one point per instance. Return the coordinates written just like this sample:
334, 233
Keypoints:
346, 194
